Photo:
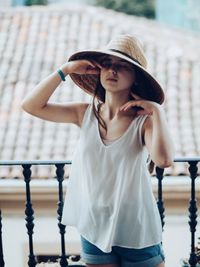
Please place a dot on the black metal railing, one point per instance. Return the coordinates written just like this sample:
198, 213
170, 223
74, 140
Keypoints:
59, 172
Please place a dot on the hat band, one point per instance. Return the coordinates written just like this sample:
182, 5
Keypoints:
115, 50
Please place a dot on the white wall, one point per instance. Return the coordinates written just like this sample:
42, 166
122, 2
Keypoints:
46, 239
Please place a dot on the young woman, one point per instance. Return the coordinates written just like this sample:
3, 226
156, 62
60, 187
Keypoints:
109, 196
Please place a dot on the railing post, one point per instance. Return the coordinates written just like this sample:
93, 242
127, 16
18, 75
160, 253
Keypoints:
60, 175
193, 212
29, 212
2, 263
160, 203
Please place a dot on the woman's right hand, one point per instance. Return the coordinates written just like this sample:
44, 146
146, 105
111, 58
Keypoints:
81, 66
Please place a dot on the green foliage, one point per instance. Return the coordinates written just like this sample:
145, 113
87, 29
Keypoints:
145, 8
35, 2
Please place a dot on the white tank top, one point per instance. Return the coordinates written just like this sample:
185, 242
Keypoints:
109, 196
107, 142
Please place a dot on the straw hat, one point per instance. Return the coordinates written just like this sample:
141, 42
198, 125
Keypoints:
125, 47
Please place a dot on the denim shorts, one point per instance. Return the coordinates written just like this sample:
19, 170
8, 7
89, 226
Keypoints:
126, 257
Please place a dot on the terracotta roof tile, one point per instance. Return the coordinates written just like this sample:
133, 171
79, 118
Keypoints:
34, 41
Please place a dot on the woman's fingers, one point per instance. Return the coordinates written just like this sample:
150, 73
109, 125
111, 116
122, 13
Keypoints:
132, 103
97, 64
141, 106
136, 97
142, 112
93, 63
130, 106
83, 66
92, 68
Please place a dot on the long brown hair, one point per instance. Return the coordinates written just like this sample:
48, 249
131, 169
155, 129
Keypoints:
99, 95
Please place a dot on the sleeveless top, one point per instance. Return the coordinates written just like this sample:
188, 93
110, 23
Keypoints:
109, 196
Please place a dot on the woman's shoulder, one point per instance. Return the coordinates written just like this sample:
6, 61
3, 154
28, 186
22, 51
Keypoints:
147, 125
142, 122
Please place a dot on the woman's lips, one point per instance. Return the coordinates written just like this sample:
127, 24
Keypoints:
111, 79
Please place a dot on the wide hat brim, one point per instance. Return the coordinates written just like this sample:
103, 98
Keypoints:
88, 82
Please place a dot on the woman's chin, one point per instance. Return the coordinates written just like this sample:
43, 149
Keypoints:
113, 89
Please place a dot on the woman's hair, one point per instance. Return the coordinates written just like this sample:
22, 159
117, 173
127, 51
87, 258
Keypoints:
99, 94
137, 88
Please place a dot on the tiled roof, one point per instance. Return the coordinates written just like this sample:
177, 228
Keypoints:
34, 41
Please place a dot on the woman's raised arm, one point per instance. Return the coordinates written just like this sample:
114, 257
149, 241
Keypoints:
37, 101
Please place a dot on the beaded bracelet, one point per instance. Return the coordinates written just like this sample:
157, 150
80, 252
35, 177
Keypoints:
62, 75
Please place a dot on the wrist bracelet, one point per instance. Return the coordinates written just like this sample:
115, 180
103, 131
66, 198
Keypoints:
62, 75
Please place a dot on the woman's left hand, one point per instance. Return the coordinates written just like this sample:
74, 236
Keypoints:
144, 106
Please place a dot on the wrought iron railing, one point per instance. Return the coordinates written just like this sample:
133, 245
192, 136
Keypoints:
59, 171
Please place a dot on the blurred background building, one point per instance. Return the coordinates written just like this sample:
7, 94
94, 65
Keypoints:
179, 13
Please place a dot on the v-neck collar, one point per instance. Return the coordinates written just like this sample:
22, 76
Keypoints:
116, 141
